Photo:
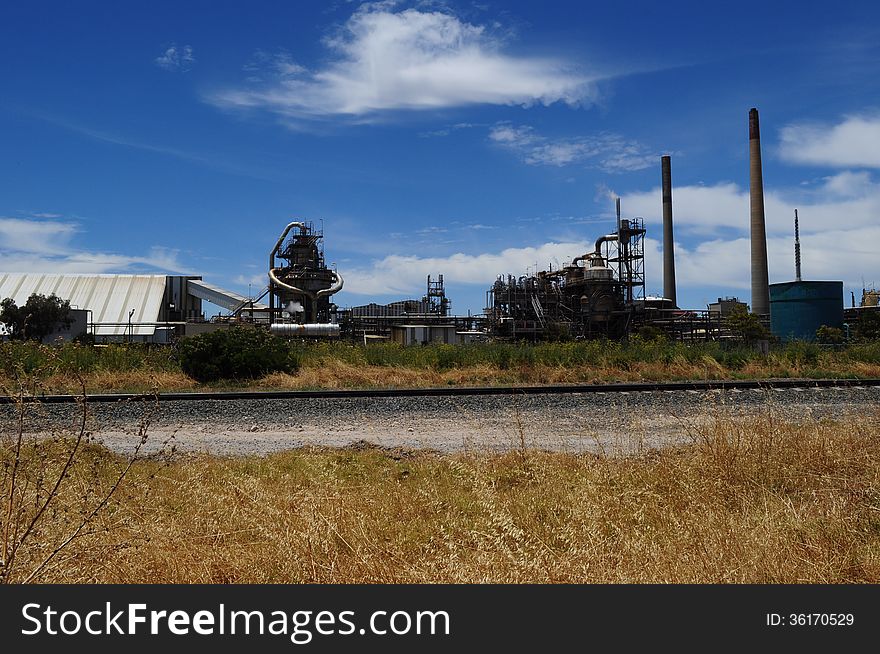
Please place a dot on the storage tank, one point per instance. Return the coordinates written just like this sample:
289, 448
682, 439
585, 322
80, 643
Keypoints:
798, 309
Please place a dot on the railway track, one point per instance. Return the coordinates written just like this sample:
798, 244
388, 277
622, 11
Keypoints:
640, 387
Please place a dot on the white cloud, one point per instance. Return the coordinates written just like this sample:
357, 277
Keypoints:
46, 246
718, 264
839, 232
34, 236
609, 152
176, 58
402, 275
411, 59
853, 142
850, 198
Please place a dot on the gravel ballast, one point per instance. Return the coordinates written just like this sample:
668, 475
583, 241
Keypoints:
612, 422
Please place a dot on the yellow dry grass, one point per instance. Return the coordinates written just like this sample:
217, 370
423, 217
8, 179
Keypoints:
133, 381
748, 501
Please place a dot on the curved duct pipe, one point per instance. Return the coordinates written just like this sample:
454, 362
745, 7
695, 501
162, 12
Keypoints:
604, 239
296, 290
281, 240
337, 286
598, 250
272, 277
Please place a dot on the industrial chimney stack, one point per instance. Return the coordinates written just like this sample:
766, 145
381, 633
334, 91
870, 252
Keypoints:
760, 277
668, 247
797, 249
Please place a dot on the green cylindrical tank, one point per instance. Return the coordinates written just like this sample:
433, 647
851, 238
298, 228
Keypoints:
798, 309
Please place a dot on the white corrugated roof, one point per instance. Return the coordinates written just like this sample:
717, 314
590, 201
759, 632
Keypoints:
109, 297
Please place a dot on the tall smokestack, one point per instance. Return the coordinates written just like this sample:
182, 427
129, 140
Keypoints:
797, 249
760, 277
668, 247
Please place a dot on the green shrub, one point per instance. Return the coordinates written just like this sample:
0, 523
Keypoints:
802, 353
237, 353
829, 335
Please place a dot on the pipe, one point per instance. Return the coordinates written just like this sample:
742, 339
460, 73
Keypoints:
272, 265
281, 240
668, 244
308, 329
293, 289
335, 288
605, 239
758, 230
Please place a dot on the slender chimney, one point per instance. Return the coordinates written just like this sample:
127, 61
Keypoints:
797, 249
760, 277
668, 247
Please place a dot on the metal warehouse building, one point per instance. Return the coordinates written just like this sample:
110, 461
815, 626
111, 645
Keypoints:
139, 307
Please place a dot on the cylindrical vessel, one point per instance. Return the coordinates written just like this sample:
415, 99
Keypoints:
798, 309
308, 329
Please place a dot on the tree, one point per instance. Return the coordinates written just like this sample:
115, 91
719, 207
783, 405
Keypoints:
38, 318
746, 325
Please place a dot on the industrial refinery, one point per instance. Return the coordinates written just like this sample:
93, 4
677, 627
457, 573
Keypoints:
598, 294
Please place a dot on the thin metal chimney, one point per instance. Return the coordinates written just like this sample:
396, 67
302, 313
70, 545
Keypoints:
797, 249
668, 247
760, 277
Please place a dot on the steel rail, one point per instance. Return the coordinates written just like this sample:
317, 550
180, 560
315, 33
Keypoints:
623, 387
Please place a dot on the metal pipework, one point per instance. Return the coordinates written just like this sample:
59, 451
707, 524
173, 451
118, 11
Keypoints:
272, 266
597, 252
307, 329
758, 230
294, 289
281, 240
605, 239
668, 245
335, 288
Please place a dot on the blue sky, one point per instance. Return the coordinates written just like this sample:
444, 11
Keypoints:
471, 139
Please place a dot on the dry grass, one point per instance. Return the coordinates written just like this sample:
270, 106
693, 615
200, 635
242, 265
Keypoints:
341, 374
345, 365
748, 501
109, 381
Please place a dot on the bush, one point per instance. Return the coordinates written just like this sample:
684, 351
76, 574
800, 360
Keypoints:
829, 335
802, 353
237, 353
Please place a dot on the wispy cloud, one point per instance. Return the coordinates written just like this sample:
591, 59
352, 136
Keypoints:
176, 58
398, 274
852, 142
214, 161
386, 59
609, 152
446, 131
47, 246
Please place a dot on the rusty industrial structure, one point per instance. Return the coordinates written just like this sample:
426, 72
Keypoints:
598, 294
594, 295
302, 285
